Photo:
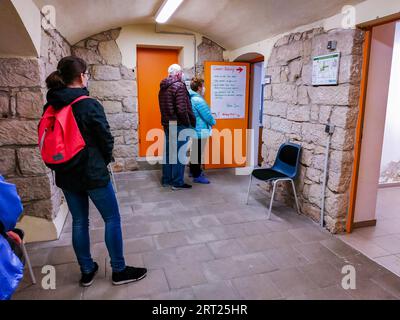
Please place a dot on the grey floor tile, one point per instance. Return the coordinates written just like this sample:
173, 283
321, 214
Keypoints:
225, 248
292, 282
170, 240
184, 275
221, 290
257, 287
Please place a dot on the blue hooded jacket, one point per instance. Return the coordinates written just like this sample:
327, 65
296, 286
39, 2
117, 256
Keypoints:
204, 118
11, 268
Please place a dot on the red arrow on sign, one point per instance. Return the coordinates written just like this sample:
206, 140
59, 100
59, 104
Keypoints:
240, 69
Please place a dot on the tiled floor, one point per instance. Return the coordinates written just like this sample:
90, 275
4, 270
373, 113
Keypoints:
381, 243
206, 243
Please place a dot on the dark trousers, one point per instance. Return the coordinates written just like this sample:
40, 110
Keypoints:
196, 157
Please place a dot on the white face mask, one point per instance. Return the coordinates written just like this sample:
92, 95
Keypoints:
203, 91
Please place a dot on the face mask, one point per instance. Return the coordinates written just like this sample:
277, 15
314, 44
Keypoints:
203, 91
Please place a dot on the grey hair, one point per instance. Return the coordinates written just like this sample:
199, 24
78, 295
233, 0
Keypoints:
174, 69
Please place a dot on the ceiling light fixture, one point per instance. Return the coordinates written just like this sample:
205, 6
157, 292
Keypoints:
167, 10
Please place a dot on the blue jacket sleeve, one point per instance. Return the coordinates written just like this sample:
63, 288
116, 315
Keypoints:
10, 205
205, 112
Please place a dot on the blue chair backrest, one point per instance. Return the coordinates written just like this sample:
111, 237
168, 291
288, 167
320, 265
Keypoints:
288, 159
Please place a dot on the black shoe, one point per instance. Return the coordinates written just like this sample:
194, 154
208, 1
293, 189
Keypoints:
182, 187
88, 278
130, 274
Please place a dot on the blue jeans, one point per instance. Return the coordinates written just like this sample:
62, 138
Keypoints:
105, 201
175, 160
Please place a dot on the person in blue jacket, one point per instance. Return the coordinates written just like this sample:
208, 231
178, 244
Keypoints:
204, 123
11, 267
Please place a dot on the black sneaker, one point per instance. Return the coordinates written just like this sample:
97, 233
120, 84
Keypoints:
182, 187
88, 278
130, 274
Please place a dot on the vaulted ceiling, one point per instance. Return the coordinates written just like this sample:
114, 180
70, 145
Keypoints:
231, 23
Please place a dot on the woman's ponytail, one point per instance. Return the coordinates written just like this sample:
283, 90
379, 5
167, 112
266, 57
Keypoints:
55, 81
68, 70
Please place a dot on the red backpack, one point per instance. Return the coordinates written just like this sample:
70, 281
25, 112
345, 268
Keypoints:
60, 139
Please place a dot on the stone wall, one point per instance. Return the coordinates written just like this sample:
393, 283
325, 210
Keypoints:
22, 96
297, 111
115, 87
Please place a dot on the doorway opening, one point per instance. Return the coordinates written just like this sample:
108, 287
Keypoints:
256, 106
374, 217
152, 66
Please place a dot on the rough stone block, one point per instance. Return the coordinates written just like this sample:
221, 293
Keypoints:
298, 113
343, 139
46, 208
295, 69
19, 72
281, 125
339, 182
111, 107
336, 205
106, 73
128, 74
350, 69
347, 41
121, 121
7, 161
4, 105
30, 161
314, 133
333, 95
107, 35
124, 152
276, 109
30, 104
15, 132
275, 73
112, 90
90, 56
130, 105
209, 51
285, 92
33, 188
110, 52
303, 97
324, 114
345, 117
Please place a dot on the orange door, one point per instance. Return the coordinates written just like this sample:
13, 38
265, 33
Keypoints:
230, 135
152, 67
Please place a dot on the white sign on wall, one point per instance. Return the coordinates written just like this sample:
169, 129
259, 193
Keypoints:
326, 70
228, 91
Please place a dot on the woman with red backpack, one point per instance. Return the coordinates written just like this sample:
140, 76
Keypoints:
76, 142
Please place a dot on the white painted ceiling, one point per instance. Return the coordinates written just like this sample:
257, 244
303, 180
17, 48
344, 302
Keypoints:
231, 23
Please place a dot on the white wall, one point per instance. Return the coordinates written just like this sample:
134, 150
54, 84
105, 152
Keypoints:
365, 11
391, 144
145, 35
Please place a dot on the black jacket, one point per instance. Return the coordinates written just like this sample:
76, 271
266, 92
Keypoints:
175, 103
90, 171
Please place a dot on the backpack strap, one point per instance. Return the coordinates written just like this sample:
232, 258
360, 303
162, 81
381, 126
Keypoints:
79, 99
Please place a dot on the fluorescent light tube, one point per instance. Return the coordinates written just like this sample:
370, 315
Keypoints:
167, 10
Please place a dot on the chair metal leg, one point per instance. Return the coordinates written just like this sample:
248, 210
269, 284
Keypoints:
295, 196
28, 262
272, 200
248, 191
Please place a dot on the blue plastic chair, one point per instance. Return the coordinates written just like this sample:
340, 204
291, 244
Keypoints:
286, 168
